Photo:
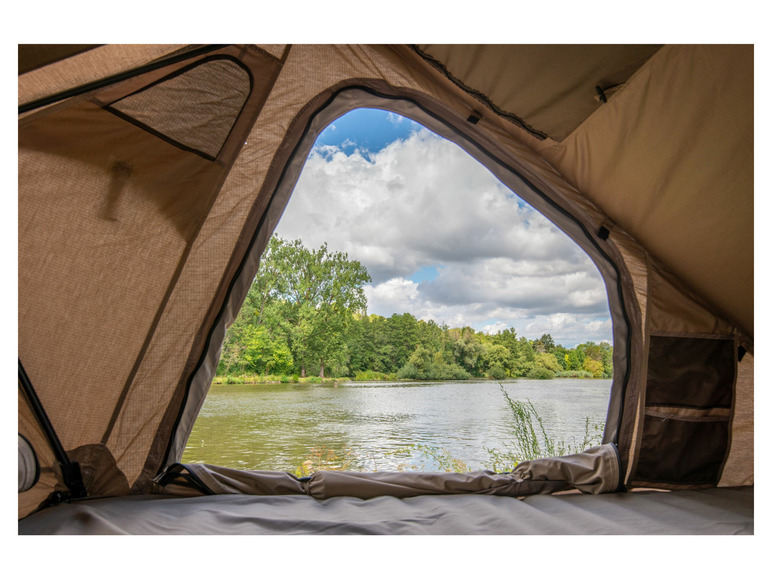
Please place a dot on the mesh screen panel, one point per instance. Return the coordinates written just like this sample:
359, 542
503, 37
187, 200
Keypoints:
196, 108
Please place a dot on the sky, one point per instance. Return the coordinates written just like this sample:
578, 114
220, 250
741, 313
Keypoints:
441, 237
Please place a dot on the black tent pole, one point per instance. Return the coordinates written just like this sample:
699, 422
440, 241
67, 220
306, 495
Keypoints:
71, 474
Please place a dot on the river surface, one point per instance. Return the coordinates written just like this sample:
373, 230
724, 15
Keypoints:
372, 425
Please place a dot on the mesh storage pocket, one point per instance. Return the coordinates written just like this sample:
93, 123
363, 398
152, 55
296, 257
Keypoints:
689, 393
683, 450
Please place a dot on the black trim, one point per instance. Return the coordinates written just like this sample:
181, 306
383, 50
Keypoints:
134, 121
155, 133
173, 473
79, 90
483, 151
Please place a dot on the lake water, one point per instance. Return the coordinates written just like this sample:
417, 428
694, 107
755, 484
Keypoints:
277, 426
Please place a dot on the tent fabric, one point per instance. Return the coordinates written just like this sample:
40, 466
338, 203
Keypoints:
145, 203
669, 158
32, 56
702, 512
596, 470
93, 65
553, 89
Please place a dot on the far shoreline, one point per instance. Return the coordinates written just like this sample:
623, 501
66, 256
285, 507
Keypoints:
242, 381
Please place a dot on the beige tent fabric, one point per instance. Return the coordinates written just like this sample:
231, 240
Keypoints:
739, 467
551, 88
276, 50
670, 159
90, 66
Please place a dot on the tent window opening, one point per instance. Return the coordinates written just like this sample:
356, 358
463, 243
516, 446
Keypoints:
410, 312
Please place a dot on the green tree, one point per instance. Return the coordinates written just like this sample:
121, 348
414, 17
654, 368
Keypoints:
311, 298
547, 361
547, 343
594, 367
498, 361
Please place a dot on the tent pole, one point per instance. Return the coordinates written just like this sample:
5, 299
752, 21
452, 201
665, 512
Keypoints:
71, 474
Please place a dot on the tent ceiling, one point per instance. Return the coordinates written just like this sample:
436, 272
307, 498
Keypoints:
551, 88
32, 56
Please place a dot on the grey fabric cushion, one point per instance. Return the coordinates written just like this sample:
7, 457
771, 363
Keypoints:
699, 512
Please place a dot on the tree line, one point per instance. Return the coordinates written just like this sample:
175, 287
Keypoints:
306, 315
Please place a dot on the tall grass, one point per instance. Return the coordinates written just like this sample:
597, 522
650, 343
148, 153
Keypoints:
531, 439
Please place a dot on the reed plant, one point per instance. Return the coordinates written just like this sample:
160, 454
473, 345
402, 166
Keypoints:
531, 440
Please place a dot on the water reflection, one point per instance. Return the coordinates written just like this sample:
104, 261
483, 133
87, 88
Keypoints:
276, 426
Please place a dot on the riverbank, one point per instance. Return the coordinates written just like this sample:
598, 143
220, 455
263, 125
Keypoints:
273, 379
371, 377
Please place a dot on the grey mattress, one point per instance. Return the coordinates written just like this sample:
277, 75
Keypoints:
699, 512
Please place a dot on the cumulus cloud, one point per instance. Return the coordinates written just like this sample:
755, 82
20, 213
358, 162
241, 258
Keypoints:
423, 202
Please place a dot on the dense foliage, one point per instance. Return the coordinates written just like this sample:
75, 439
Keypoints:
306, 313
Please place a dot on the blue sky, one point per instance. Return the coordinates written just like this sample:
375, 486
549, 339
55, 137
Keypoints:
441, 237
367, 129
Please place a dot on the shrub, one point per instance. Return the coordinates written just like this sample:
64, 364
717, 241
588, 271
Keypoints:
540, 374
284, 379
407, 372
497, 372
367, 375
574, 374
433, 371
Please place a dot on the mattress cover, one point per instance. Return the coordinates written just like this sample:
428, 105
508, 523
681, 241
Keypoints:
716, 511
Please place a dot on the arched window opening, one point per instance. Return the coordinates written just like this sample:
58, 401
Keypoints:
411, 312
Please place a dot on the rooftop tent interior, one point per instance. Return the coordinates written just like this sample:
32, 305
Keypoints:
151, 178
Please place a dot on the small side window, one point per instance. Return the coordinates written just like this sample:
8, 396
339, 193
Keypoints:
214, 91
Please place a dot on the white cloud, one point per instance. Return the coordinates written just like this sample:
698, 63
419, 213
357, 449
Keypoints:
395, 119
424, 202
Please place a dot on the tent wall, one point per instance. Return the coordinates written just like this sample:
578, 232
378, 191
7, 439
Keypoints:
670, 159
137, 239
